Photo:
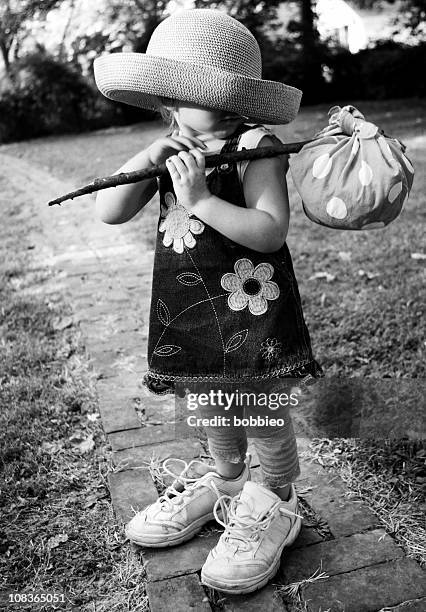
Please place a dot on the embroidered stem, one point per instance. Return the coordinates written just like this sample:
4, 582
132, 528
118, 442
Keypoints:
209, 299
214, 310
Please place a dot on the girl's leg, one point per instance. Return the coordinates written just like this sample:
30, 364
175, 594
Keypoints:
234, 568
278, 457
227, 469
176, 516
228, 447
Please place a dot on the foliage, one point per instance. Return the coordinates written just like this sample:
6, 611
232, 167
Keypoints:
14, 16
412, 13
297, 57
413, 18
47, 97
256, 16
389, 70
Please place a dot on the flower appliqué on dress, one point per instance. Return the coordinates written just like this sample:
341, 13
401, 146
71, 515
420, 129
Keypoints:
250, 285
178, 226
270, 349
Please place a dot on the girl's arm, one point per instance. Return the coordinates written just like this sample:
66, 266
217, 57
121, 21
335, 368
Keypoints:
120, 204
263, 225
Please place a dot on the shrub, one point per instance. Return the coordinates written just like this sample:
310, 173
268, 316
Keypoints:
51, 97
389, 70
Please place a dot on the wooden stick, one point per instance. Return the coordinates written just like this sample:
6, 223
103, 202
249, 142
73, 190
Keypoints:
125, 178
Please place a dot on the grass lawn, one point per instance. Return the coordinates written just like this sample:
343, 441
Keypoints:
58, 533
367, 322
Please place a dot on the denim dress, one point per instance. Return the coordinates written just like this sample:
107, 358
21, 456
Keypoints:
220, 311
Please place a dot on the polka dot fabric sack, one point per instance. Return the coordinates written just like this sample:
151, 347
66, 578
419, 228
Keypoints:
352, 176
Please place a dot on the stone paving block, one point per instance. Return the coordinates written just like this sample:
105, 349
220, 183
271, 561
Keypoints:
368, 589
265, 600
113, 323
415, 605
99, 311
160, 407
306, 537
309, 472
179, 594
344, 516
118, 415
66, 262
186, 558
108, 330
341, 555
135, 457
122, 386
141, 436
131, 490
107, 365
112, 355
106, 341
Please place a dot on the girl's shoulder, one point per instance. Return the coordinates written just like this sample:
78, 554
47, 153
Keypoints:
251, 139
252, 136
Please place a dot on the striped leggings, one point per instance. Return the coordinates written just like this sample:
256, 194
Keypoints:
276, 449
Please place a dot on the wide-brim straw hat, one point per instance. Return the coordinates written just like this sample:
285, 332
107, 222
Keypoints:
200, 56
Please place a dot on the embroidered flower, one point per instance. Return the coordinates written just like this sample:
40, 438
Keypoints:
169, 200
270, 349
250, 285
177, 225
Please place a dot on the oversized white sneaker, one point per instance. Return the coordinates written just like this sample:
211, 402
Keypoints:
184, 507
258, 525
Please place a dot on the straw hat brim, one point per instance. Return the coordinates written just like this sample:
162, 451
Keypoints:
137, 78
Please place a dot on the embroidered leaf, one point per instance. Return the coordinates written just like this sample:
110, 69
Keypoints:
163, 312
236, 341
167, 349
189, 278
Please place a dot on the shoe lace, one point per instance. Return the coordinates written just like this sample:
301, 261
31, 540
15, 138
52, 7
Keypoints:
172, 495
245, 529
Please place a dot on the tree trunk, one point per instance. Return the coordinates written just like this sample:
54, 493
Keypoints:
5, 55
309, 32
312, 78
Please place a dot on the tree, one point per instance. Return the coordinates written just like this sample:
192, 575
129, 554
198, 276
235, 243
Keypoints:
14, 17
311, 48
411, 15
257, 16
116, 25
302, 46
138, 18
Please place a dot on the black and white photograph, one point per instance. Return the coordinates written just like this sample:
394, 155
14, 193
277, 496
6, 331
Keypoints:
212, 306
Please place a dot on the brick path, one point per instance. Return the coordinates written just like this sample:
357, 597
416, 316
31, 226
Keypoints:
107, 280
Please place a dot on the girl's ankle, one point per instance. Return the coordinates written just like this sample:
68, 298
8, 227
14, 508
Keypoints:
229, 471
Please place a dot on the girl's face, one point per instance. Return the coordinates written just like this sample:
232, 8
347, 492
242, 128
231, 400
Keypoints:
194, 119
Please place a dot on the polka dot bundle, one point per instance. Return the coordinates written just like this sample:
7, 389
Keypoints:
352, 176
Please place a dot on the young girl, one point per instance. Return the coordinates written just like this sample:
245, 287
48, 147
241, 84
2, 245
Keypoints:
225, 303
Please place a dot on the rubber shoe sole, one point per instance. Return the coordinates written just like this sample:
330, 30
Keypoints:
247, 585
173, 539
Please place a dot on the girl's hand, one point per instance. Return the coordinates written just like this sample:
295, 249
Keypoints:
187, 171
162, 148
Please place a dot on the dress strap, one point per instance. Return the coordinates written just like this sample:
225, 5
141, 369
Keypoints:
232, 142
